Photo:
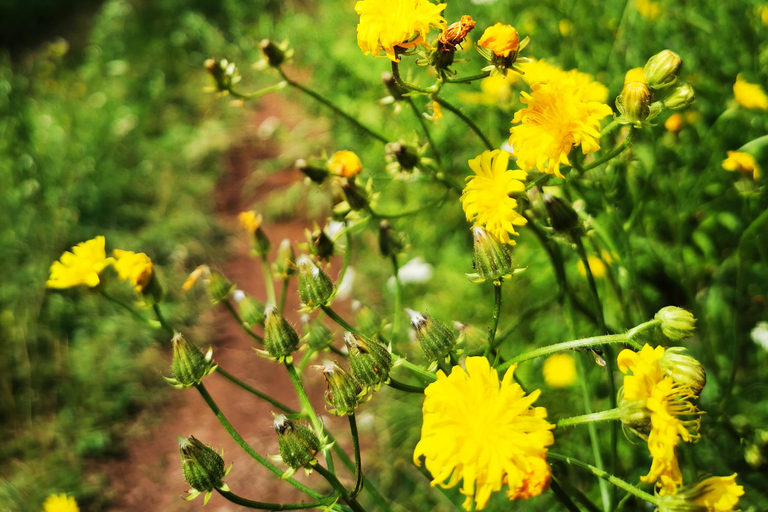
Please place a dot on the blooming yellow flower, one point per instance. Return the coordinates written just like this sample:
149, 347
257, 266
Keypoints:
596, 265
486, 198
250, 221
634, 75
674, 123
82, 266
717, 493
559, 370
742, 162
583, 84
60, 503
484, 432
133, 267
648, 9
751, 96
391, 24
500, 39
345, 163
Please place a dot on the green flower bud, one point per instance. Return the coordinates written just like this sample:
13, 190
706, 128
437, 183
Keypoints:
676, 323
251, 312
634, 103
298, 444
317, 335
437, 340
680, 96
753, 455
407, 157
285, 262
397, 92
356, 198
662, 69
472, 341
315, 287
273, 53
342, 391
369, 360
320, 244
683, 369
761, 437
314, 173
224, 74
493, 259
189, 366
219, 288
389, 243
280, 339
635, 415
260, 244
203, 467
367, 320
562, 217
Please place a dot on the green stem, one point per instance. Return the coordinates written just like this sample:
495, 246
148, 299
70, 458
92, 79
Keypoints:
407, 85
128, 308
541, 179
469, 122
372, 490
468, 79
358, 459
610, 414
612, 154
268, 282
418, 370
333, 107
257, 94
347, 258
348, 499
406, 213
398, 299
283, 295
234, 380
161, 318
336, 318
609, 128
228, 305
562, 496
610, 478
396, 384
495, 319
424, 128
259, 505
245, 446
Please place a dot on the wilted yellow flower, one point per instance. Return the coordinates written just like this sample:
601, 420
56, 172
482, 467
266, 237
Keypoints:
500, 39
486, 198
742, 162
133, 267
201, 272
596, 265
751, 96
437, 112
249, 221
82, 266
485, 432
455, 34
60, 503
634, 75
559, 370
674, 123
389, 24
648, 9
345, 163
582, 84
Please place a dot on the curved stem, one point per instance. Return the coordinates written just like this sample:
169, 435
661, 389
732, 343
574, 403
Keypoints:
128, 308
259, 505
372, 490
234, 380
424, 128
336, 318
495, 319
612, 154
398, 299
610, 414
469, 122
245, 446
307, 408
333, 107
257, 94
239, 320
418, 370
609, 128
468, 79
400, 386
268, 282
407, 85
350, 500
358, 460
161, 318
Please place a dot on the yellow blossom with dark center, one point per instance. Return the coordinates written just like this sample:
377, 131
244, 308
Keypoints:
60, 503
386, 25
136, 268
486, 198
748, 95
500, 39
740, 161
484, 432
345, 163
82, 266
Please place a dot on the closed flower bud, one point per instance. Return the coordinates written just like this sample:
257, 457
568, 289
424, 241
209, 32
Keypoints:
369, 360
635, 415
317, 335
251, 222
436, 339
392, 86
342, 391
297, 443
320, 244
492, 259
676, 323
406, 156
634, 103
280, 339
562, 217
683, 369
389, 242
356, 198
224, 74
219, 288
285, 262
273, 53
189, 365
203, 467
680, 96
251, 312
368, 321
313, 172
345, 163
662, 69
315, 287
753, 456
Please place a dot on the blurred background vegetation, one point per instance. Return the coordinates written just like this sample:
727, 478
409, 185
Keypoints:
103, 121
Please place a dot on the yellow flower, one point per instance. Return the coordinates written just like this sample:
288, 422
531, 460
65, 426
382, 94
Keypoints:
762, 13
565, 27
250, 221
133, 267
634, 75
596, 265
559, 371
500, 39
437, 112
486, 198
583, 84
718, 493
750, 96
742, 162
648, 9
345, 163
674, 123
60, 503
484, 432
395, 24
82, 266
201, 272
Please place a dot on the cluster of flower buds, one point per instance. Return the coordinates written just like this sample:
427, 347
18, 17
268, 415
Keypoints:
280, 338
315, 287
342, 392
369, 360
203, 468
297, 443
189, 365
437, 340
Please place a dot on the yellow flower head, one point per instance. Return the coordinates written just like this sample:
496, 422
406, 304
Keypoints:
389, 24
648, 9
60, 503
634, 75
201, 272
674, 123
82, 266
741, 162
556, 119
500, 39
486, 198
717, 493
750, 96
133, 267
583, 84
485, 432
762, 13
250, 221
596, 265
559, 371
345, 163
565, 27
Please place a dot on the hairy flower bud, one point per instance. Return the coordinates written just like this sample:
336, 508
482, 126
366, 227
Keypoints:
406, 156
317, 335
219, 287
492, 258
280, 339
273, 53
313, 172
368, 321
676, 323
285, 262
297, 443
683, 369
315, 287
662, 69
189, 365
680, 96
203, 467
356, 198
342, 390
224, 74
369, 360
562, 217
251, 312
389, 243
436, 339
634, 103
320, 244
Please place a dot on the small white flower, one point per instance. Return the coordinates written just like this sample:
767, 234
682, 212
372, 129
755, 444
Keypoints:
415, 271
333, 228
238, 296
760, 334
345, 287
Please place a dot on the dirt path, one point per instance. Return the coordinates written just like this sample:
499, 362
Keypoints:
150, 478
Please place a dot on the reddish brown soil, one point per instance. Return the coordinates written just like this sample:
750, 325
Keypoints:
150, 477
